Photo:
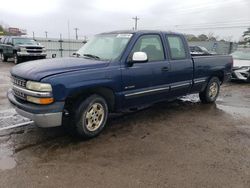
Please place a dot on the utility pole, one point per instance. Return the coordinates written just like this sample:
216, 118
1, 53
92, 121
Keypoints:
33, 33
136, 20
46, 34
76, 29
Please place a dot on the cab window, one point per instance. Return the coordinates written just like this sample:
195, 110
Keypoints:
177, 50
151, 45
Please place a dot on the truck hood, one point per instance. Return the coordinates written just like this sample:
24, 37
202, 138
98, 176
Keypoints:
36, 70
241, 63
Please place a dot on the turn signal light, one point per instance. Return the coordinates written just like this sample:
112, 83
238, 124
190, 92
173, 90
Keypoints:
40, 100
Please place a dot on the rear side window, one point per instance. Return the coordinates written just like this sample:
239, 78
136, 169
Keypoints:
151, 45
177, 50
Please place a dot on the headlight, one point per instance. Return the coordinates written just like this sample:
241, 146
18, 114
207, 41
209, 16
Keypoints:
37, 86
22, 49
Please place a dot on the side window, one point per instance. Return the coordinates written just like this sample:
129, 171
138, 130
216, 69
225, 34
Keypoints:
177, 50
9, 40
5, 39
151, 45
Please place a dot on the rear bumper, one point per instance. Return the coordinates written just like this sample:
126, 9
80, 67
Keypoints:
42, 115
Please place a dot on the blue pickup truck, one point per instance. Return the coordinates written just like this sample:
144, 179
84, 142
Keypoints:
114, 72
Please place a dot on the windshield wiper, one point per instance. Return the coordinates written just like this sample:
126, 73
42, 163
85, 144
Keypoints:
91, 56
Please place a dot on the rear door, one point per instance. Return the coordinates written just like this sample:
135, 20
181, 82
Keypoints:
8, 48
4, 47
181, 65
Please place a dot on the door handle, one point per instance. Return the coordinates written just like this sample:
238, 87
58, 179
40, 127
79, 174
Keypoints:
164, 69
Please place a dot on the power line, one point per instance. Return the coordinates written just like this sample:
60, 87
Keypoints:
215, 27
215, 24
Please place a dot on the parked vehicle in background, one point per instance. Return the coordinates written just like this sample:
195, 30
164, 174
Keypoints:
114, 72
1, 49
21, 49
199, 50
241, 67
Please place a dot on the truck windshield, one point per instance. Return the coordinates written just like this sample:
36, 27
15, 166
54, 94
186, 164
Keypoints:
24, 41
105, 46
241, 54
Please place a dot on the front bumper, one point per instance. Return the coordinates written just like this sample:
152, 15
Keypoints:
241, 74
42, 115
26, 54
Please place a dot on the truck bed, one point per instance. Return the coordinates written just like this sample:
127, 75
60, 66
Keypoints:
205, 66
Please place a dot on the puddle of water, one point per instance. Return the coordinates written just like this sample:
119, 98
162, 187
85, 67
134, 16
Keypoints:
235, 111
7, 161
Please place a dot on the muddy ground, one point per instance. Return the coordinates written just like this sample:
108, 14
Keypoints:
179, 144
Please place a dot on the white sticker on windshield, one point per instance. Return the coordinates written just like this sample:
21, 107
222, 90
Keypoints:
124, 35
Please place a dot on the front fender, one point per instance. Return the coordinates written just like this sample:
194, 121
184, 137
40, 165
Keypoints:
69, 84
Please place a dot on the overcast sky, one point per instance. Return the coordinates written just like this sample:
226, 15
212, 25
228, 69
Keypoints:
94, 16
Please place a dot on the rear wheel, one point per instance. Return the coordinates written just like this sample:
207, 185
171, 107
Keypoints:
211, 92
89, 117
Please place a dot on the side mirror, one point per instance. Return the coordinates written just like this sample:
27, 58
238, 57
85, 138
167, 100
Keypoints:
139, 57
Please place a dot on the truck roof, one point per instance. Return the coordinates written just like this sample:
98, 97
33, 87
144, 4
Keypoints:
139, 31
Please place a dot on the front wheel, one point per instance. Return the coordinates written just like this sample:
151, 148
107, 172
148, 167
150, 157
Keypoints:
5, 58
17, 59
211, 92
89, 117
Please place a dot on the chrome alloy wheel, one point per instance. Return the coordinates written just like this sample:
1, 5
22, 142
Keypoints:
94, 117
213, 90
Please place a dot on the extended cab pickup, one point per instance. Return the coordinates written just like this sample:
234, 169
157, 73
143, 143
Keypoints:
113, 72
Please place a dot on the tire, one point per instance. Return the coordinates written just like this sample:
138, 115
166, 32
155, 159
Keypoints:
17, 59
5, 59
211, 92
89, 117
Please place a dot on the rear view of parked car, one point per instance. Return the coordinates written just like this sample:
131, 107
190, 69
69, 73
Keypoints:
241, 68
21, 49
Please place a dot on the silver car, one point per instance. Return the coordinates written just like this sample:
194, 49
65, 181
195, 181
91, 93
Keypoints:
241, 67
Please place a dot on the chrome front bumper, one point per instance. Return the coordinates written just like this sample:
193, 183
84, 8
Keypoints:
23, 54
43, 120
42, 115
241, 73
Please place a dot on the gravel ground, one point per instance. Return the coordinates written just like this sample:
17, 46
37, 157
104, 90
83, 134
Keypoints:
179, 144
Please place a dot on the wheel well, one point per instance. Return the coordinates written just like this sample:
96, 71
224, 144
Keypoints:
220, 75
106, 93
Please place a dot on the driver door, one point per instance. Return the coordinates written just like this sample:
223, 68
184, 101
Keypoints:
144, 83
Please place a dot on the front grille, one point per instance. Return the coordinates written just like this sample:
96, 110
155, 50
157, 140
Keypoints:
38, 48
19, 81
19, 94
34, 49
